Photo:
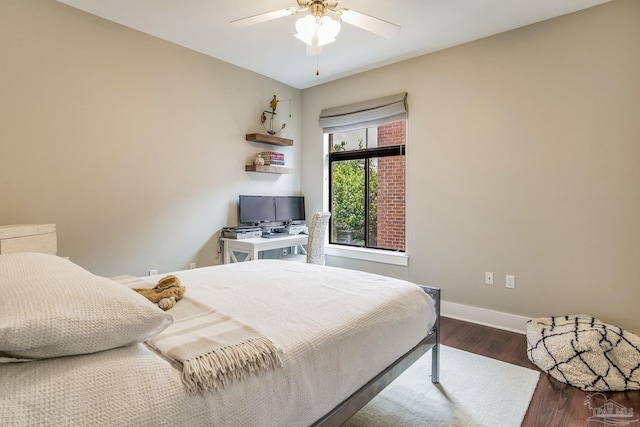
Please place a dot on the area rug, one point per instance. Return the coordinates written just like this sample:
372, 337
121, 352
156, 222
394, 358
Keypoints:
473, 391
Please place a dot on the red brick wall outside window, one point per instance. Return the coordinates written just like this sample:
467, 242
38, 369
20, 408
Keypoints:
391, 189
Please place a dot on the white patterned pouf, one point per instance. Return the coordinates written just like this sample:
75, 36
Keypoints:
584, 352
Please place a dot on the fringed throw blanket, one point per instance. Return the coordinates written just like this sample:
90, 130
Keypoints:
213, 348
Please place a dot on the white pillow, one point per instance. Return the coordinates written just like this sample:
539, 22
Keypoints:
50, 307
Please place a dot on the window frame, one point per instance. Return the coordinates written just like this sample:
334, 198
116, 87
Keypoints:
363, 154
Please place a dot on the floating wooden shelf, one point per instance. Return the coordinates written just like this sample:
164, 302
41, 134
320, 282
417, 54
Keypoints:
268, 139
267, 169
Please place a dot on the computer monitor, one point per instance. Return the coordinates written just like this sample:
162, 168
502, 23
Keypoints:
256, 209
289, 208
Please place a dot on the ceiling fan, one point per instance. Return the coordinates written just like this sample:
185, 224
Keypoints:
317, 28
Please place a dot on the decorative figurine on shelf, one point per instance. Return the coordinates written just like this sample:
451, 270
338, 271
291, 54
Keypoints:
274, 103
263, 118
259, 161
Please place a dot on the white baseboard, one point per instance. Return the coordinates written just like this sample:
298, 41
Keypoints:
483, 316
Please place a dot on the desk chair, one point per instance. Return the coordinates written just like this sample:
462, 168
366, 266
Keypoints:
315, 243
317, 233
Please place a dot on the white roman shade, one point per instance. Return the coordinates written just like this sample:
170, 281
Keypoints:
374, 112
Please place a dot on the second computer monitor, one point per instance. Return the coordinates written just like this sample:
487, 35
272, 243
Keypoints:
289, 208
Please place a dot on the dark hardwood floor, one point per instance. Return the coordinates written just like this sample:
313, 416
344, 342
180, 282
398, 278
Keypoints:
554, 403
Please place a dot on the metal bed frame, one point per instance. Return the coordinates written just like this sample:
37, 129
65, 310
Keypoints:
346, 409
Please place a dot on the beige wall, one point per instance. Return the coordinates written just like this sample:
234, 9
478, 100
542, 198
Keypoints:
523, 158
133, 146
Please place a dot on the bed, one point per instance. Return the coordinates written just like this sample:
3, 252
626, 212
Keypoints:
341, 337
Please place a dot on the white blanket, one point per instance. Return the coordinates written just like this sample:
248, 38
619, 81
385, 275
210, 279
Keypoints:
337, 329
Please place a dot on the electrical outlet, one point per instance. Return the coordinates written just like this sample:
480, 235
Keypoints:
152, 272
192, 265
511, 281
488, 278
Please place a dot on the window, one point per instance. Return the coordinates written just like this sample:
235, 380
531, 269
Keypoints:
367, 173
367, 187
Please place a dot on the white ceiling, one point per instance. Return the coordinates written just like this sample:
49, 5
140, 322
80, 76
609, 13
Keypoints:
270, 48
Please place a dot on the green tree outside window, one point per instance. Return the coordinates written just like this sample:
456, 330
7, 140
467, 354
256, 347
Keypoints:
349, 197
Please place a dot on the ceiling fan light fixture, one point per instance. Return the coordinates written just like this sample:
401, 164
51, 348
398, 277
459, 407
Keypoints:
317, 31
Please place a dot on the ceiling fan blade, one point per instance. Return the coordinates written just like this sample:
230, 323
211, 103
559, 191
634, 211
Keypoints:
263, 17
369, 23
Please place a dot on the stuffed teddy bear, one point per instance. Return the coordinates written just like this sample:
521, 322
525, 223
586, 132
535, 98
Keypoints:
165, 294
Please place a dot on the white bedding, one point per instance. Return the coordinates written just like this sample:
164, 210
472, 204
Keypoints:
337, 329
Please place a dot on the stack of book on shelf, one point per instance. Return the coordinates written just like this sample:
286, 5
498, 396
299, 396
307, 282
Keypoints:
272, 158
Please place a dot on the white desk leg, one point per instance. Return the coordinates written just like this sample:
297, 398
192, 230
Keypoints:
225, 249
254, 252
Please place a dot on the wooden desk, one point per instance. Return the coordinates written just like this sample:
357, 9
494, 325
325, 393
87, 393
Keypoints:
251, 247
